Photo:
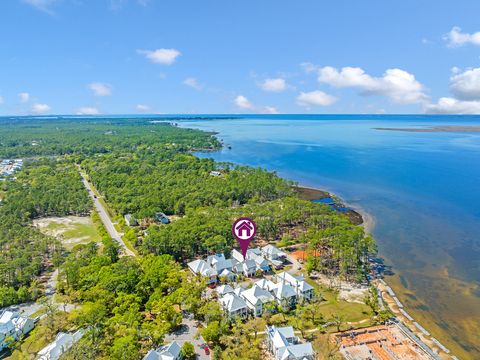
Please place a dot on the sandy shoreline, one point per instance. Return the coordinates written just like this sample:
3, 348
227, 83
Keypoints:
311, 193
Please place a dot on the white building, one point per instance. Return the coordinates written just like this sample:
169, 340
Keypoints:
224, 290
256, 299
285, 295
200, 267
14, 326
303, 289
171, 351
284, 345
234, 306
63, 342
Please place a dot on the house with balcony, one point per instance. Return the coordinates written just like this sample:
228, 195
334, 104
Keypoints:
303, 289
257, 299
284, 345
234, 306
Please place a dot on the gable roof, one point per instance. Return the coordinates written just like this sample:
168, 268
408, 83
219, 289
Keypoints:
62, 343
6, 316
213, 259
265, 284
298, 351
283, 291
232, 302
249, 264
280, 336
201, 267
224, 289
272, 250
255, 294
165, 352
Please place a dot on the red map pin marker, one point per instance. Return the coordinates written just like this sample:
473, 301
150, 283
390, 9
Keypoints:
244, 229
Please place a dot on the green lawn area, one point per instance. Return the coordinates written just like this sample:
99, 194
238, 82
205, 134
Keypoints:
82, 230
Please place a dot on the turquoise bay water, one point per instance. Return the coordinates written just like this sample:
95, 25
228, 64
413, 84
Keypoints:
421, 188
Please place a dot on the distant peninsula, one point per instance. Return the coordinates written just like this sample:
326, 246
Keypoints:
446, 128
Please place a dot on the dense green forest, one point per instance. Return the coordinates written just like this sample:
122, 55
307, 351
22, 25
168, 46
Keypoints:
128, 304
144, 184
31, 137
43, 188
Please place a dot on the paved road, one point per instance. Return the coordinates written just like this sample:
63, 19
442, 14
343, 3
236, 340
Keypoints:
187, 332
105, 218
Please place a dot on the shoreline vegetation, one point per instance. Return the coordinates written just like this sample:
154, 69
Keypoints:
356, 215
130, 304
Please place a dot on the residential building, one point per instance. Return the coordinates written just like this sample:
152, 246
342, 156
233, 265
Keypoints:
303, 289
227, 274
274, 255
224, 290
130, 220
13, 325
249, 268
265, 284
219, 263
215, 173
63, 342
162, 218
260, 262
234, 306
285, 295
171, 351
200, 267
256, 299
284, 345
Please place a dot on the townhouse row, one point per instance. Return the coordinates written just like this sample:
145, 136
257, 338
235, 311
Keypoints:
257, 259
286, 291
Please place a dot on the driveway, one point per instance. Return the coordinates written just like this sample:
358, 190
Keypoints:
186, 333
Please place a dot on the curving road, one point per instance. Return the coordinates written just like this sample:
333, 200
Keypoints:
107, 222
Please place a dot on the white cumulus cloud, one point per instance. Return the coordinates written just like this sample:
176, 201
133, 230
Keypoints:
100, 89
24, 97
398, 85
274, 85
269, 110
161, 56
88, 110
43, 5
193, 83
456, 37
315, 98
39, 108
466, 85
243, 103
142, 108
448, 105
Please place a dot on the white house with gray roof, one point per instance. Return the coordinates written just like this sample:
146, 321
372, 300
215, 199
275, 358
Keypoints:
303, 289
285, 295
171, 351
284, 345
62, 343
256, 299
13, 325
234, 306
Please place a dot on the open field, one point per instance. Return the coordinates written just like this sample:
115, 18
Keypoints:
71, 230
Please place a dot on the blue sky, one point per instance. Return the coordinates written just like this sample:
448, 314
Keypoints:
249, 56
